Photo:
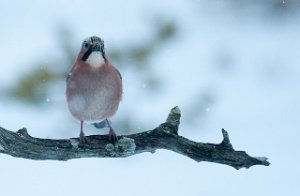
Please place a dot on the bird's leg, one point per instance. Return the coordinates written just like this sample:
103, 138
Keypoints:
112, 137
82, 139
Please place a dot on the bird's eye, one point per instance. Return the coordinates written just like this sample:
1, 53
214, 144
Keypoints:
85, 45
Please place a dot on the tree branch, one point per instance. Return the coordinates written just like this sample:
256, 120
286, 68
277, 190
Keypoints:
165, 136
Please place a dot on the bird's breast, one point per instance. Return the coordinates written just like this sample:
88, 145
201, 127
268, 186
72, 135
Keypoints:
93, 93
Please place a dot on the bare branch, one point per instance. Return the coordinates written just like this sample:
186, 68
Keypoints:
165, 136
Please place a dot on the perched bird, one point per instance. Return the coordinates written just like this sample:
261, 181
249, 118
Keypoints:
94, 86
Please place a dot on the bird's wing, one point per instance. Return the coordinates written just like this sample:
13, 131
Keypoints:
68, 76
70, 73
118, 72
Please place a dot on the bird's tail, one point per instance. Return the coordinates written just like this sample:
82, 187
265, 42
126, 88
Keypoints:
100, 125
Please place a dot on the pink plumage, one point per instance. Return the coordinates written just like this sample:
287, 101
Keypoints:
94, 86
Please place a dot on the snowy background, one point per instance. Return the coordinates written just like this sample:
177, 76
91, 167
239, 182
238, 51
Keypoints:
226, 64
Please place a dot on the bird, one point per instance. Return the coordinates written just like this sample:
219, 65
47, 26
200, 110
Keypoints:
93, 87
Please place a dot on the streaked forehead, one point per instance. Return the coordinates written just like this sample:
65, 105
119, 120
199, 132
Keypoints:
94, 39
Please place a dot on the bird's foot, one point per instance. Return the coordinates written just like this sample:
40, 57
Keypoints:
82, 139
112, 136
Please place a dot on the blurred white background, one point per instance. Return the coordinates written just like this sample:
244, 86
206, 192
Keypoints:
227, 64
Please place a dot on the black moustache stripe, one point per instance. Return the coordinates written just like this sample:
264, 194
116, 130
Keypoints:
87, 54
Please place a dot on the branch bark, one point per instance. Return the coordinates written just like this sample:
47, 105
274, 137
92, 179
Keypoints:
165, 136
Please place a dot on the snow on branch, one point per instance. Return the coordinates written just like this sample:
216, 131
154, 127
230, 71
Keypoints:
165, 136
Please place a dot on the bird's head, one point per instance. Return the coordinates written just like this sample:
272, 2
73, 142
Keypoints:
92, 51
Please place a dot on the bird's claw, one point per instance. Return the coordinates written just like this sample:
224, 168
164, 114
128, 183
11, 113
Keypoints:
82, 139
112, 136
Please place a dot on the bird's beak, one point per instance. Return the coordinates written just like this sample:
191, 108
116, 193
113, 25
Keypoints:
97, 47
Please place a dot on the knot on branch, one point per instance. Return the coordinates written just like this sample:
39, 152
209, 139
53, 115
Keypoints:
124, 147
23, 133
168, 128
172, 123
174, 117
226, 142
74, 143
